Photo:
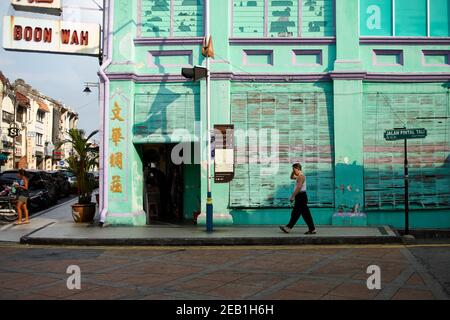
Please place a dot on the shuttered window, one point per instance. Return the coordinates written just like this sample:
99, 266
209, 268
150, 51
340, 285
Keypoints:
303, 122
248, 18
188, 18
160, 117
429, 158
283, 18
155, 18
171, 18
405, 18
410, 18
318, 18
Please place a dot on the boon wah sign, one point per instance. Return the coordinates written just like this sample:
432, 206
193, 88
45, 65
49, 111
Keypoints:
26, 34
40, 6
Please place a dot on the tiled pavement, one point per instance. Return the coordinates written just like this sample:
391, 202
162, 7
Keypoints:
214, 273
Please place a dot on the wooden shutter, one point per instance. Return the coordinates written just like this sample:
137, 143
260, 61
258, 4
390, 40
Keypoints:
157, 116
304, 123
429, 160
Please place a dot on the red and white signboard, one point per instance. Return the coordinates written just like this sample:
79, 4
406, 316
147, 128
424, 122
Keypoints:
26, 34
40, 6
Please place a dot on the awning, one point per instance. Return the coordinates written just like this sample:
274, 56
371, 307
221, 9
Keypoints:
43, 106
22, 99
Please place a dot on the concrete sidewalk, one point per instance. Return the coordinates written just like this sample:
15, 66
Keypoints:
76, 234
56, 227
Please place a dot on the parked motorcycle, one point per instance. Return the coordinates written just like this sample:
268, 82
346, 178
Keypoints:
7, 204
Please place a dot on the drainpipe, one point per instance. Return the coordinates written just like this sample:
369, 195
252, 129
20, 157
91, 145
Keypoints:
107, 45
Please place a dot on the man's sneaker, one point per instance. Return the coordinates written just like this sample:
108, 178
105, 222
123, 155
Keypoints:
311, 232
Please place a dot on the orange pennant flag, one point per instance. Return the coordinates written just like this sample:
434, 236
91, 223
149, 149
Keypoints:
207, 49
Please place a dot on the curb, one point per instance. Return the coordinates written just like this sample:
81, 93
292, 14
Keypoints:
426, 233
211, 242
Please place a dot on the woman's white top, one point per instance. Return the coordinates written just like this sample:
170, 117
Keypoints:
303, 189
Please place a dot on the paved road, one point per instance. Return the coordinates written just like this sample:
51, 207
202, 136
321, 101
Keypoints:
436, 260
216, 273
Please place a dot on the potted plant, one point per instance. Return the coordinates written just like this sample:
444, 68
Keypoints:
81, 161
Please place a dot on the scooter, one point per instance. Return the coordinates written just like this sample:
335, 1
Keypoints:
7, 205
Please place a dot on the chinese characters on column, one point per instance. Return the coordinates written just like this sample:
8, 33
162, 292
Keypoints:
116, 158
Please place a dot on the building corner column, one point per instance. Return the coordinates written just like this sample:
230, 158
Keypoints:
348, 78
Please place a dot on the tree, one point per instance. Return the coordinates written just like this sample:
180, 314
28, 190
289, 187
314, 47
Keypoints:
84, 158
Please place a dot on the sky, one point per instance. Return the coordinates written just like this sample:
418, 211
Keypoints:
59, 76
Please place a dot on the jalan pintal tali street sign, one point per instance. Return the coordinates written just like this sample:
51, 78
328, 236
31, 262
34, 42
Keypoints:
402, 134
405, 134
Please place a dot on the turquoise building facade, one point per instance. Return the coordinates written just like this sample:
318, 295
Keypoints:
310, 81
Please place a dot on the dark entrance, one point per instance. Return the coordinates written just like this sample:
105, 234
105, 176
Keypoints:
163, 184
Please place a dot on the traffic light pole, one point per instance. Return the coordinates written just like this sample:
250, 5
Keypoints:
209, 203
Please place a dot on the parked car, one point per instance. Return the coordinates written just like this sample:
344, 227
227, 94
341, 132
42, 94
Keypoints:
62, 183
72, 180
39, 189
51, 185
97, 179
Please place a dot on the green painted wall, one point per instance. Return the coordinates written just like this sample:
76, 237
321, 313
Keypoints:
345, 117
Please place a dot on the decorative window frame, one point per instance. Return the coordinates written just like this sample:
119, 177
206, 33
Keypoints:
435, 53
381, 52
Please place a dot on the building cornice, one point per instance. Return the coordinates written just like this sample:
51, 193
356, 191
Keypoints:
342, 75
408, 77
309, 77
276, 41
404, 41
167, 41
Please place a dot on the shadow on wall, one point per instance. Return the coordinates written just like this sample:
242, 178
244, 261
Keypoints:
157, 112
381, 189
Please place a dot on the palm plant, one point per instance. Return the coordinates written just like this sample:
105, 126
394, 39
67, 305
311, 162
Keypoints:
84, 158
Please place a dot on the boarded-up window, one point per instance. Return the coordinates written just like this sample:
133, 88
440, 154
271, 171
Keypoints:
429, 158
297, 127
166, 117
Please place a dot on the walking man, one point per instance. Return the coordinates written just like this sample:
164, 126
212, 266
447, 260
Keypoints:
301, 202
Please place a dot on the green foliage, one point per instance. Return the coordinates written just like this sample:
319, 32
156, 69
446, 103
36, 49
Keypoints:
84, 159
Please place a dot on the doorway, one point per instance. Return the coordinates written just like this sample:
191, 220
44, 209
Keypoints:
163, 185
171, 191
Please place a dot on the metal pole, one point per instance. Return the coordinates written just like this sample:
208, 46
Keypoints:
13, 96
209, 203
14, 138
406, 190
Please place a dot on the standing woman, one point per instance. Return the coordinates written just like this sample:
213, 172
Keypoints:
23, 196
301, 202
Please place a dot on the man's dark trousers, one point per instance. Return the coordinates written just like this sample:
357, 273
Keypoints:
301, 208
